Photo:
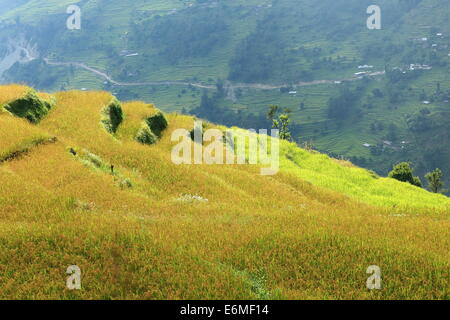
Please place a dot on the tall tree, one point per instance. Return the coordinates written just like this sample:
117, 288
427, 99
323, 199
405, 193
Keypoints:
280, 122
435, 183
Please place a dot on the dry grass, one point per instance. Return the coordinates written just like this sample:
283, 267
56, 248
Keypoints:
290, 236
135, 114
17, 136
11, 92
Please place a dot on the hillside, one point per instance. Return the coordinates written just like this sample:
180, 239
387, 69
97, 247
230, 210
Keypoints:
254, 52
150, 229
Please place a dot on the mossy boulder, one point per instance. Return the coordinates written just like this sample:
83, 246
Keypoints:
201, 131
157, 123
145, 135
112, 116
29, 107
152, 129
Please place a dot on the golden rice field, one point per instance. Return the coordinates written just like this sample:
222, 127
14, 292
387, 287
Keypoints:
155, 230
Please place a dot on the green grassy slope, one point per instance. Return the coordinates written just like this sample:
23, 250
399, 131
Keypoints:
155, 230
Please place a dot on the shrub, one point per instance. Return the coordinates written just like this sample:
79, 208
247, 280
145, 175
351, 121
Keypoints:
403, 172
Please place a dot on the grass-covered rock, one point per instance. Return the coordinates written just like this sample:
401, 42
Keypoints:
30, 107
157, 123
145, 135
152, 129
112, 116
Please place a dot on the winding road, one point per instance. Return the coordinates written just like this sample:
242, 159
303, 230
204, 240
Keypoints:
129, 84
199, 85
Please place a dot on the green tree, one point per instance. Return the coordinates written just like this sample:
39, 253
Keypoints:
403, 172
435, 183
280, 122
284, 127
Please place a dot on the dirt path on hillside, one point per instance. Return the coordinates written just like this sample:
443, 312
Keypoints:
199, 85
124, 84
